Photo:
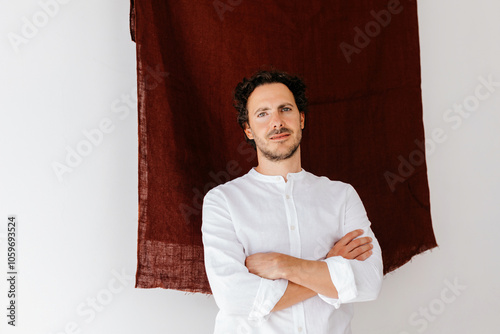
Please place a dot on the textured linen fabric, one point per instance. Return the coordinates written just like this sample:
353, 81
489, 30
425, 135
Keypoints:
365, 120
302, 217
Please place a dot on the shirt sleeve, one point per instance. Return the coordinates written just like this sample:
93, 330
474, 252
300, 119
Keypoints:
355, 280
235, 289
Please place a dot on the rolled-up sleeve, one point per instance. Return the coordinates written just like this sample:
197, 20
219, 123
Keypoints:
342, 277
235, 289
355, 280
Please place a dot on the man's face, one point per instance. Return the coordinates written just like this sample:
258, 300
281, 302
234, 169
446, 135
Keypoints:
275, 122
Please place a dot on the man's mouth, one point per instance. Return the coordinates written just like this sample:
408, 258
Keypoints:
281, 136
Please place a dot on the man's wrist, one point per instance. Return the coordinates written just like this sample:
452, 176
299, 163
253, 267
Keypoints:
302, 271
286, 266
293, 268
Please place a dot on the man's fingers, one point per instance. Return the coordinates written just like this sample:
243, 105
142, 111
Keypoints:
358, 251
364, 256
364, 252
352, 246
346, 239
359, 242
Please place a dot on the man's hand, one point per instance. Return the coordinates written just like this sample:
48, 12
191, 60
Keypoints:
351, 248
266, 265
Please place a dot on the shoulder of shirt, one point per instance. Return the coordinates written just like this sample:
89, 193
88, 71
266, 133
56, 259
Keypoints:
325, 181
237, 182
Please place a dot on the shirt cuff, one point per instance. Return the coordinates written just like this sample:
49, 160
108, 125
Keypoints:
269, 293
343, 279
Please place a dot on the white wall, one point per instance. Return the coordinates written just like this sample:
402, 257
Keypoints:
77, 235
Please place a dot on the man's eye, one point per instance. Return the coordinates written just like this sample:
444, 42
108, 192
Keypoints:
262, 114
286, 109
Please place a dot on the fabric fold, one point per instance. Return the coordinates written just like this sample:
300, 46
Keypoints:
343, 279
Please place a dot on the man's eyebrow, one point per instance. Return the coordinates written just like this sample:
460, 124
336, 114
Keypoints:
261, 109
279, 107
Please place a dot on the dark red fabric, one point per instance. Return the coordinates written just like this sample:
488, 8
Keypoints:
364, 126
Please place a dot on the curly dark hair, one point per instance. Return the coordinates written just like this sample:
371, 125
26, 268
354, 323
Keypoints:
247, 86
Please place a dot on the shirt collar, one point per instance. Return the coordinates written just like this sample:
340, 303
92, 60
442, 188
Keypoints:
276, 178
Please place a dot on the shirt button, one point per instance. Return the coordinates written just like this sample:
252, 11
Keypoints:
300, 329
287, 196
292, 227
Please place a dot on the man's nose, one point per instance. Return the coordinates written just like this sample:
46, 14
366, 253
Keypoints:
277, 121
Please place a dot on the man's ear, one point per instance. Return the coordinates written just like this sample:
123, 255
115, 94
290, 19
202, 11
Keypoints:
302, 119
248, 131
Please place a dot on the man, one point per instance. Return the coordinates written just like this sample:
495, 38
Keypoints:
285, 251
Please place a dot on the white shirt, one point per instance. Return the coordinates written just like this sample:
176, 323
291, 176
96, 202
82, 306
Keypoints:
302, 217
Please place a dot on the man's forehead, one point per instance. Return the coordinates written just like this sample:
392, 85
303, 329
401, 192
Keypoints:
271, 93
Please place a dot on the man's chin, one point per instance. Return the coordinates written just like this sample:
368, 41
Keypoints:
279, 154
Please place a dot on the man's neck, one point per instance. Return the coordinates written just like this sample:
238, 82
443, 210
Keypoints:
283, 167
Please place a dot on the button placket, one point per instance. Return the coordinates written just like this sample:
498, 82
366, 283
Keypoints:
295, 248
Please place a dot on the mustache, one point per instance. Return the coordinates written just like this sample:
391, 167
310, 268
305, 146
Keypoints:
277, 132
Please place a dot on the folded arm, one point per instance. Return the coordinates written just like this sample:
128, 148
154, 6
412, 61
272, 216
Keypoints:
308, 278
